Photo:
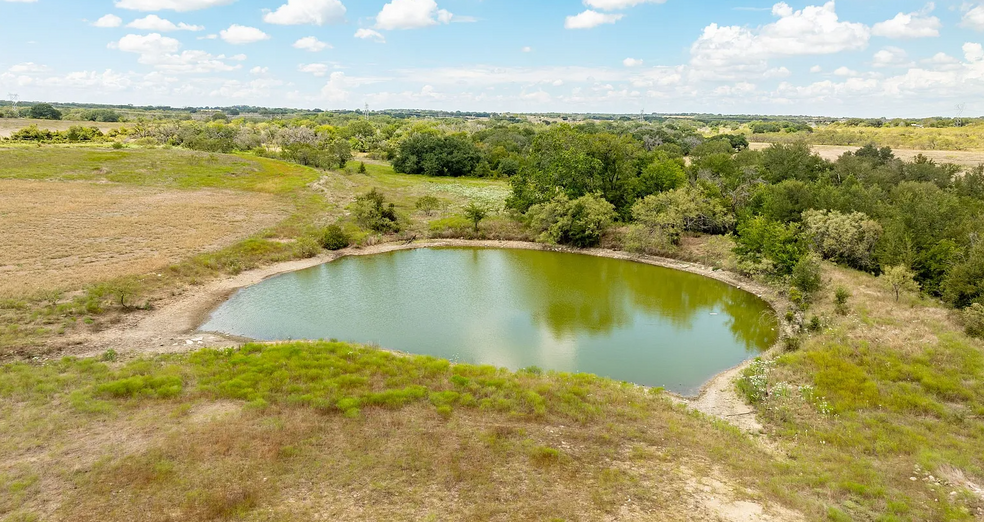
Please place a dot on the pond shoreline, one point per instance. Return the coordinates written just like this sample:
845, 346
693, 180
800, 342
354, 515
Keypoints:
174, 325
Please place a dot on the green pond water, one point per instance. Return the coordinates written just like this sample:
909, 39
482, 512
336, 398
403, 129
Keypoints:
515, 308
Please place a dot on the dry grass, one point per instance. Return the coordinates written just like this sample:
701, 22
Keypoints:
67, 235
958, 157
587, 448
10, 126
881, 408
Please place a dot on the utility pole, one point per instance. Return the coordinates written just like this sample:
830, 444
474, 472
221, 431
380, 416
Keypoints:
366, 113
13, 98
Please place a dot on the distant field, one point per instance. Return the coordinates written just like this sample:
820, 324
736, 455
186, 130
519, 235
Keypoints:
959, 157
10, 126
65, 235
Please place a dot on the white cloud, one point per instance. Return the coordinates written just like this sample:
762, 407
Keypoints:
174, 5
161, 53
973, 52
589, 19
335, 89
298, 12
844, 71
411, 14
974, 18
910, 25
152, 43
890, 57
259, 71
28, 67
317, 69
941, 59
369, 34
527, 49
252, 89
240, 34
611, 5
723, 51
156, 23
631, 62
310, 43
108, 21
22, 1
777, 72
815, 69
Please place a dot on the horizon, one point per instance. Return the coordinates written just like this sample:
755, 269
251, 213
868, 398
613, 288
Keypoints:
836, 59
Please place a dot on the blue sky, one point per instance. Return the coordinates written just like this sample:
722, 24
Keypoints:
849, 57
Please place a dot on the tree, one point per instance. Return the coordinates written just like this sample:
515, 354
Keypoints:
901, 279
580, 222
434, 155
661, 175
475, 213
44, 111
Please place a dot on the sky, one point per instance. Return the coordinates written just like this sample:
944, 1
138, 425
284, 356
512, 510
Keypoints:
865, 58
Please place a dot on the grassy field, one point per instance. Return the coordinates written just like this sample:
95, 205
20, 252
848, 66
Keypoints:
331, 431
882, 408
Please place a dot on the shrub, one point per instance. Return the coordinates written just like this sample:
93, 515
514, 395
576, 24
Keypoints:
334, 238
580, 222
428, 204
777, 247
974, 320
900, 279
844, 238
454, 226
373, 212
841, 295
653, 241
686, 209
964, 282
808, 274
362, 167
117, 145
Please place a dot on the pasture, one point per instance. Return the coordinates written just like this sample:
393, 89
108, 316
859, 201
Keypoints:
10, 126
70, 234
963, 158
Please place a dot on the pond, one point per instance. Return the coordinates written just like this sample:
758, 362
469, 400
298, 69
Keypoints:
515, 308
